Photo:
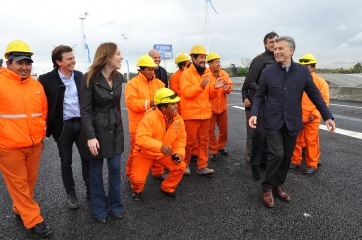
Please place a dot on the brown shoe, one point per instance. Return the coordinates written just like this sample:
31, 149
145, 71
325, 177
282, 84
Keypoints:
268, 199
278, 191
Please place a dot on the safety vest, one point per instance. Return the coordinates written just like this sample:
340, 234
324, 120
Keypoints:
23, 111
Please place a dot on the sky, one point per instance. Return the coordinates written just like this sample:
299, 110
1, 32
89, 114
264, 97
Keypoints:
330, 30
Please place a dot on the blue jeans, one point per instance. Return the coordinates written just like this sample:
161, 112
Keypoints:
100, 202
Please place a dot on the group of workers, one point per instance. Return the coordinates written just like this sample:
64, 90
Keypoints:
168, 126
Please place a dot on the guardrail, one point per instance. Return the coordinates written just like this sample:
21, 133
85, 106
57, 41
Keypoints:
336, 93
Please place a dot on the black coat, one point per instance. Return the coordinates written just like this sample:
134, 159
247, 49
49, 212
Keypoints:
161, 74
54, 89
101, 116
282, 92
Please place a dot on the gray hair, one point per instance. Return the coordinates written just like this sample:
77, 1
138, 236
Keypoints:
289, 40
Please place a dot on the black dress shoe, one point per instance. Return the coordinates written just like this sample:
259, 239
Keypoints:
223, 152
42, 230
213, 157
171, 194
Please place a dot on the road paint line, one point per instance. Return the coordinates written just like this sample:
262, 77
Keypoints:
339, 105
341, 131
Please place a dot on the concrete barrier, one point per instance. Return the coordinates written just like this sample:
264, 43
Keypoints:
336, 93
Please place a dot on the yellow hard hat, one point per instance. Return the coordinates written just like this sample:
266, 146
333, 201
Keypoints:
182, 57
146, 61
212, 56
307, 59
198, 49
19, 47
165, 95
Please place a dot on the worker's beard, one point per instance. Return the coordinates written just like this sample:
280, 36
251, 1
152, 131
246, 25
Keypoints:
200, 69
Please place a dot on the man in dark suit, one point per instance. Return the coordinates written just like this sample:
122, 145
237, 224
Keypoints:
280, 92
62, 88
160, 72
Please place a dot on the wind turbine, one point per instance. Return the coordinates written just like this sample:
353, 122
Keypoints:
207, 2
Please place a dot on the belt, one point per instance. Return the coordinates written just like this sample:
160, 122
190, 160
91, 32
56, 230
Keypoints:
72, 120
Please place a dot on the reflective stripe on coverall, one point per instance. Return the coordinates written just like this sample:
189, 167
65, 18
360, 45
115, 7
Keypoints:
23, 112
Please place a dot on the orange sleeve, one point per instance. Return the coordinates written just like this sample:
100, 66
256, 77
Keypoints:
228, 82
186, 85
133, 102
144, 138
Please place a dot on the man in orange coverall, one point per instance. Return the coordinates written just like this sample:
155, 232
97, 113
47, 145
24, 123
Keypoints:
23, 113
161, 138
183, 61
219, 108
311, 119
139, 94
197, 88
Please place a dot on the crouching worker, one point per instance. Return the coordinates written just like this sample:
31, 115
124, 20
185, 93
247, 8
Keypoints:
161, 138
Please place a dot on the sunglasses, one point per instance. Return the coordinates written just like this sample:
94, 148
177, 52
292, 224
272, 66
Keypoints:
18, 54
173, 96
304, 60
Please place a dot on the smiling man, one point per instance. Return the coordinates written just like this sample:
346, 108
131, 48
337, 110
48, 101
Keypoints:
280, 93
198, 87
23, 113
161, 138
62, 88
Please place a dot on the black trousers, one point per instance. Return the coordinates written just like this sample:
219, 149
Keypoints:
70, 135
259, 146
281, 147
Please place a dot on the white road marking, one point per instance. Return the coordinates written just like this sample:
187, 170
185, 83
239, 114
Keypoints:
341, 131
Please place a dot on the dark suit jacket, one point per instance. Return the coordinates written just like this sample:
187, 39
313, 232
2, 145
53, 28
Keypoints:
161, 74
282, 92
54, 90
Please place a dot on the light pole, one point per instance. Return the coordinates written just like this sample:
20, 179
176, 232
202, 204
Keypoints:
125, 38
82, 17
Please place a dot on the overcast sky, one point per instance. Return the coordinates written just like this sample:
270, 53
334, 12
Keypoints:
331, 30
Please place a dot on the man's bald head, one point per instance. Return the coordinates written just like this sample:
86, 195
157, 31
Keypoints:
155, 55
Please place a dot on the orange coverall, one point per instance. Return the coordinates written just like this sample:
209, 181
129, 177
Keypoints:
196, 112
175, 85
23, 113
309, 133
138, 94
153, 131
219, 114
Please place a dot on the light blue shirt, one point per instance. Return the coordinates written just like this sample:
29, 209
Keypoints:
71, 107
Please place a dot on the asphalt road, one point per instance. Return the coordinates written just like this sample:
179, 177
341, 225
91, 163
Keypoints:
326, 205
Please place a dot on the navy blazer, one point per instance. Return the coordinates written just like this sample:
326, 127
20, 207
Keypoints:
54, 89
283, 92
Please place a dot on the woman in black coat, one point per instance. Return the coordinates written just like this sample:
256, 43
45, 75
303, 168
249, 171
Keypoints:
102, 129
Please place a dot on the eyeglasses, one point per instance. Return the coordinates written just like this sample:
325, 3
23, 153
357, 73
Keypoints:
173, 96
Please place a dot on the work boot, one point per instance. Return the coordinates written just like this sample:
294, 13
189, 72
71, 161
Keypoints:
223, 152
294, 166
42, 230
213, 157
187, 171
137, 196
309, 170
161, 177
205, 171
